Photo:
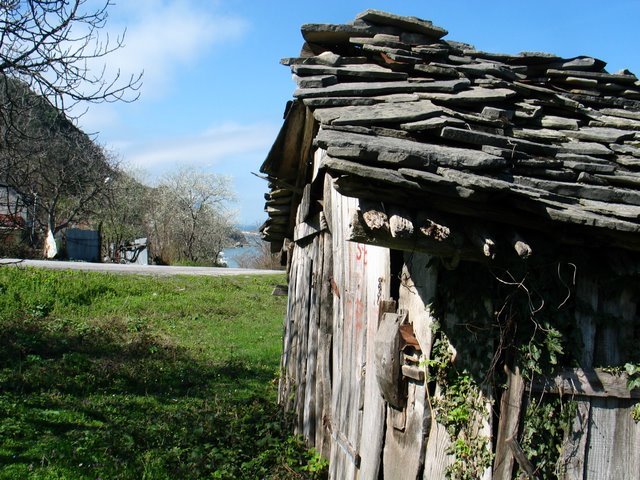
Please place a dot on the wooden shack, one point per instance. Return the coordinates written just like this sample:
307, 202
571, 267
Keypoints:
462, 236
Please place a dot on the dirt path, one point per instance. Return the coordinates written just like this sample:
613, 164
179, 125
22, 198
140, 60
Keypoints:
134, 269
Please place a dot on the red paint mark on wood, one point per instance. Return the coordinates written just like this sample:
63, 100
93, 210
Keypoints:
361, 253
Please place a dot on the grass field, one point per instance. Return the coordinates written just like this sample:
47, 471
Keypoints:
133, 377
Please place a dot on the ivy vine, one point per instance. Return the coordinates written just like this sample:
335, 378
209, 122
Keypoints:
460, 407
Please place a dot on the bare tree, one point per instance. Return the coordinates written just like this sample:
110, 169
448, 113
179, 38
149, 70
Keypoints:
59, 171
122, 212
189, 216
52, 47
49, 51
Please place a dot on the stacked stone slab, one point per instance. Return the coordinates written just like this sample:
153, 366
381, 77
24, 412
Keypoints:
530, 140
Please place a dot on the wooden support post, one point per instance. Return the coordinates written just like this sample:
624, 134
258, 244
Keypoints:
522, 459
360, 232
574, 450
510, 408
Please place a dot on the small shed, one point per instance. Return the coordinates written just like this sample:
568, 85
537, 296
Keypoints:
462, 232
82, 245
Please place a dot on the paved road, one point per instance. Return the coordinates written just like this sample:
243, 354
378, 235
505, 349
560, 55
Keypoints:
134, 269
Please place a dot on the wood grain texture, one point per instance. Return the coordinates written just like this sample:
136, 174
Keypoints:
510, 410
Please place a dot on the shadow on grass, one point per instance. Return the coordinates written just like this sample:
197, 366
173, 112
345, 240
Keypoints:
113, 400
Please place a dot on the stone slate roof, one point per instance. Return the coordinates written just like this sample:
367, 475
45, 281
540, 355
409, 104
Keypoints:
531, 141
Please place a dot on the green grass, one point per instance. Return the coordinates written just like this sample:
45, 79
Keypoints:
135, 377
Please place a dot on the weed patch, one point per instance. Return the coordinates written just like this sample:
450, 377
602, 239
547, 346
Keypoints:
142, 378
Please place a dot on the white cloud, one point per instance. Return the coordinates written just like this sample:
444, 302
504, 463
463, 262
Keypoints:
228, 141
163, 36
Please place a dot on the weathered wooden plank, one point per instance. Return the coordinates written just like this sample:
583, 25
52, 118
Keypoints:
404, 451
373, 419
614, 441
339, 462
349, 343
285, 385
283, 158
593, 383
437, 456
387, 360
325, 341
303, 281
416, 293
521, 458
443, 247
574, 449
310, 421
306, 229
510, 409
614, 437
402, 455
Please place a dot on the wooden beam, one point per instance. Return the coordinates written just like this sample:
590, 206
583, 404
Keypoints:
522, 459
360, 232
586, 382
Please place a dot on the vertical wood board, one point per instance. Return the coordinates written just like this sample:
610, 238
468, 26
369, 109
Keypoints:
310, 398
510, 409
404, 449
614, 437
574, 449
373, 419
325, 333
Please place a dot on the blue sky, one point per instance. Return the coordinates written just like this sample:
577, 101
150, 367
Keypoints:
214, 91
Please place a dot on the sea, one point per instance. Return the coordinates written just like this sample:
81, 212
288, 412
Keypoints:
231, 254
